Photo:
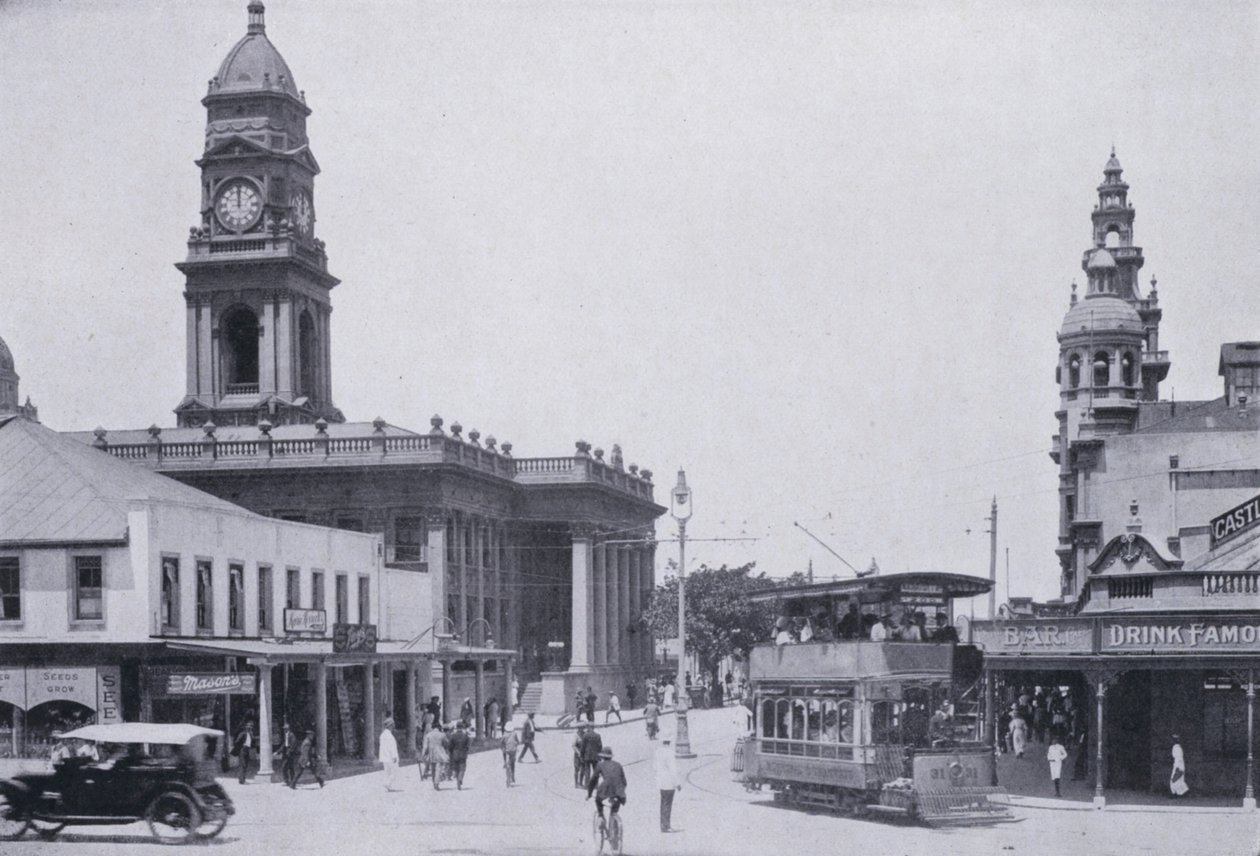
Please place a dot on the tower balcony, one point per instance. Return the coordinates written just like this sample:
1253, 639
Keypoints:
281, 245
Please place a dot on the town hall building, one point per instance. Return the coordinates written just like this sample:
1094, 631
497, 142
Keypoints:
552, 558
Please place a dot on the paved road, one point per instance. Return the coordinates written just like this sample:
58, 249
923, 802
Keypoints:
545, 814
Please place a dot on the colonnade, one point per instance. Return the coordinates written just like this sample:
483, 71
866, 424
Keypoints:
611, 586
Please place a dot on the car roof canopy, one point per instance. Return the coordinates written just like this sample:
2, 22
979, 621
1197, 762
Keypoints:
141, 732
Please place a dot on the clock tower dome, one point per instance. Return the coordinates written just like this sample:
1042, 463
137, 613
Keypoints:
257, 281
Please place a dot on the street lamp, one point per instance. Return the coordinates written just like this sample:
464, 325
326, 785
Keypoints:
680, 509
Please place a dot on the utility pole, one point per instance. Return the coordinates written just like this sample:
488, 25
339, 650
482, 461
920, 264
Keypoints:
810, 573
992, 530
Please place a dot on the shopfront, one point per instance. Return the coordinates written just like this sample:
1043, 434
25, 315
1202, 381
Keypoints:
39, 702
1144, 679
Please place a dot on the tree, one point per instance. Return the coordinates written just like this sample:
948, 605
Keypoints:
721, 620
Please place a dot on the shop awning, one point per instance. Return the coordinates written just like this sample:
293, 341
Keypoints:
321, 650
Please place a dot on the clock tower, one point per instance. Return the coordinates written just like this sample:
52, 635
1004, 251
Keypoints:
257, 281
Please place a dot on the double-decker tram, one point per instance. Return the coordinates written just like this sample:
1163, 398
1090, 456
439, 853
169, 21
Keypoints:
865, 701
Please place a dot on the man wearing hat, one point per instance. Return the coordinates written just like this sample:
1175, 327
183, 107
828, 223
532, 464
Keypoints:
457, 747
387, 753
608, 782
667, 781
289, 755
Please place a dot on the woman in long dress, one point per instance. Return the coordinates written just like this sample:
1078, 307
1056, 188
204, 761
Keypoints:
1177, 781
1019, 735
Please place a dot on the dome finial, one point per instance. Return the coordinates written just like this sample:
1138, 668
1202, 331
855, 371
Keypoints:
256, 10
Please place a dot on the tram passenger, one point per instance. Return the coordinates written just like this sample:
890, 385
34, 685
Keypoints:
782, 636
880, 630
909, 631
806, 632
945, 631
938, 727
851, 626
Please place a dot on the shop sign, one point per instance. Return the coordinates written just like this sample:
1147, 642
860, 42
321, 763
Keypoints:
1041, 637
210, 683
354, 638
1235, 521
61, 683
108, 695
1181, 636
13, 687
305, 621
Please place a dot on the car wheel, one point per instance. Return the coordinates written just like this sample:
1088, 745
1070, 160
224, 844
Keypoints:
173, 818
212, 822
13, 820
46, 829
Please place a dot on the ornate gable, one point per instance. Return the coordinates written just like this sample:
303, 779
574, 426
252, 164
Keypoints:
1131, 554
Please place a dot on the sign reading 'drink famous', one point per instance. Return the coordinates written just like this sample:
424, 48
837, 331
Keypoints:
1235, 521
1181, 636
1063, 636
305, 621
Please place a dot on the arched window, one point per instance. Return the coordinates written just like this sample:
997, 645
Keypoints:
767, 717
782, 718
798, 719
1102, 368
239, 332
307, 353
1074, 371
1127, 364
846, 721
1113, 238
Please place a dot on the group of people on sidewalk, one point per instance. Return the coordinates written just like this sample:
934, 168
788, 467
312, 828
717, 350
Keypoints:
296, 757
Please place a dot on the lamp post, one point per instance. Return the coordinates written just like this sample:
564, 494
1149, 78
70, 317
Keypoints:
680, 509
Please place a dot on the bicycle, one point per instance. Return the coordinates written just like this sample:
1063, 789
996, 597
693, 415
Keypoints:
609, 831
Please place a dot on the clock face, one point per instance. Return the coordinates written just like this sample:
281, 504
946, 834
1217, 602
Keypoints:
238, 205
303, 214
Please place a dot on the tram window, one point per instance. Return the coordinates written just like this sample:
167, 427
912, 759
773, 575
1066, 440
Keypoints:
830, 723
845, 711
886, 722
767, 718
798, 719
813, 729
783, 718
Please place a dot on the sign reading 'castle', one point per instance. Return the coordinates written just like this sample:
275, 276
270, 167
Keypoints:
1235, 521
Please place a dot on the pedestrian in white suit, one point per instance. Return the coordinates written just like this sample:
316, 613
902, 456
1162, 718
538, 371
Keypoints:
387, 754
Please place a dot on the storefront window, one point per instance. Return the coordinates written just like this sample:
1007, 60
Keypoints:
10, 589
170, 594
343, 599
264, 599
365, 600
89, 601
410, 536
317, 589
292, 588
205, 595
1224, 718
236, 596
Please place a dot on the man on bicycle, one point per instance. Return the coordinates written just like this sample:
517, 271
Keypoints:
608, 782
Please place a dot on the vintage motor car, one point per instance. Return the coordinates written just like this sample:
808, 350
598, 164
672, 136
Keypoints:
160, 773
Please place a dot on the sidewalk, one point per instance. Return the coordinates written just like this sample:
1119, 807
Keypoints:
1028, 781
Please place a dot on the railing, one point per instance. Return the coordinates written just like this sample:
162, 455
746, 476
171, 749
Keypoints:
378, 448
1130, 587
1230, 584
805, 748
242, 389
237, 247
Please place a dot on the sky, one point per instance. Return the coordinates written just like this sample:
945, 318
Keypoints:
816, 254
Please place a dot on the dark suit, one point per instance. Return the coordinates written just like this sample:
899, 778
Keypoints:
608, 783
457, 749
590, 747
243, 749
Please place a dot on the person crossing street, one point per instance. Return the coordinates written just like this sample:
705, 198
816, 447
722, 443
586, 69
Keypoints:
528, 731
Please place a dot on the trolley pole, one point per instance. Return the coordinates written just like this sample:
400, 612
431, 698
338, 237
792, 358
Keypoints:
681, 510
993, 560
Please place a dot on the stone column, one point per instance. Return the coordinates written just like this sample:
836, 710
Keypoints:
369, 714
1249, 795
446, 690
648, 574
636, 606
435, 522
481, 532
612, 604
462, 557
624, 639
286, 383
205, 375
412, 722
581, 621
479, 720
264, 720
321, 710
191, 381
599, 593
267, 345
508, 666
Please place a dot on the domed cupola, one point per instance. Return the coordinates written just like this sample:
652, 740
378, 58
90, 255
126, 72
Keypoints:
254, 64
9, 401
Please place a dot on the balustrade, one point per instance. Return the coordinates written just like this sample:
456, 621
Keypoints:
1130, 587
1229, 584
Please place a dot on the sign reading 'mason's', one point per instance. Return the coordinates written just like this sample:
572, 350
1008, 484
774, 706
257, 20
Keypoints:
1235, 521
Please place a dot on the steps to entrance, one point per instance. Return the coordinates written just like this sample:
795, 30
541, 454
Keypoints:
531, 697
